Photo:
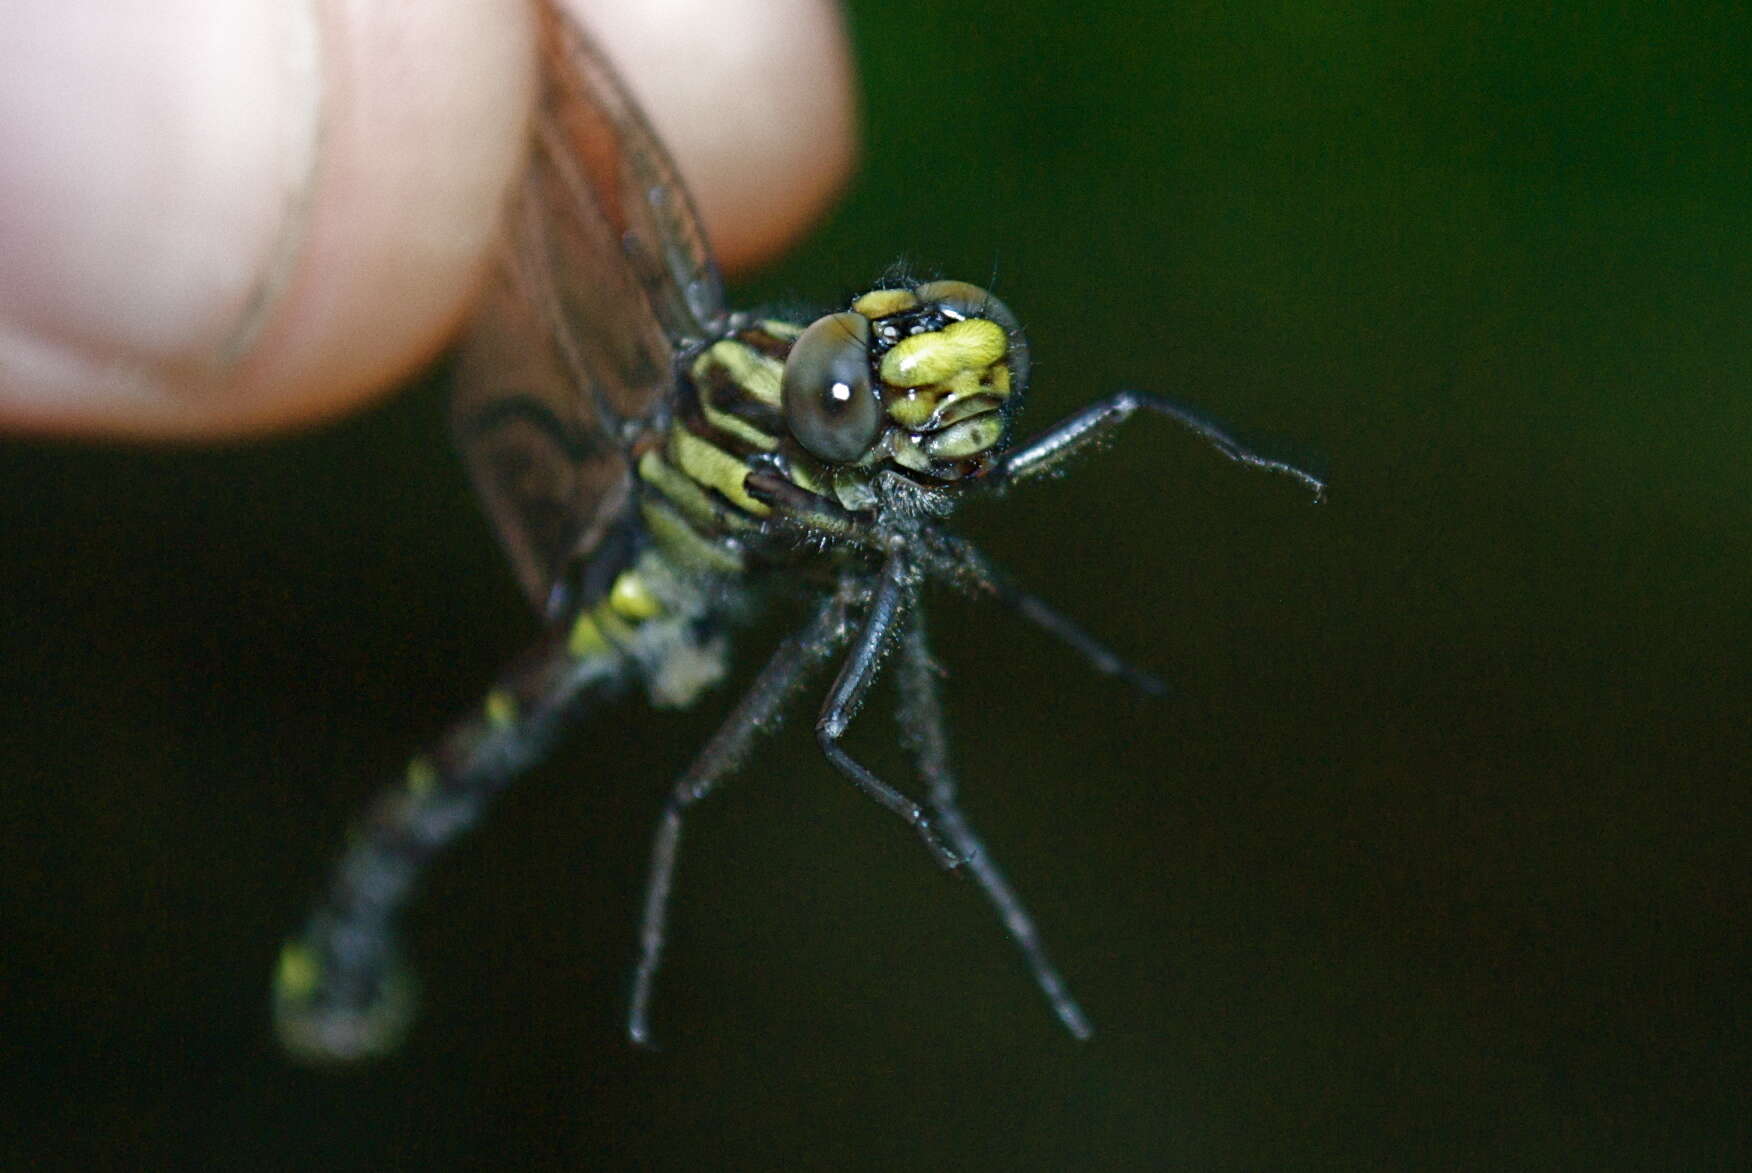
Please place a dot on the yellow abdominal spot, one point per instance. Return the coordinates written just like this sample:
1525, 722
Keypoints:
631, 598
500, 708
586, 638
422, 777
297, 974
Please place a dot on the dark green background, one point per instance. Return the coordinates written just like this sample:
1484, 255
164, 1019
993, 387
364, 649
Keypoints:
1437, 854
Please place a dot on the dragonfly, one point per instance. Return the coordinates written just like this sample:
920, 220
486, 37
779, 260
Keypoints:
655, 465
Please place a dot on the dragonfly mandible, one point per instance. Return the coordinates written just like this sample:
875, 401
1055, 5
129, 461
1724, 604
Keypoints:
651, 461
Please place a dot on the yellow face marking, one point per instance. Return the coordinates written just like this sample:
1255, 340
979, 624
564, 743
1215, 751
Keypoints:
971, 345
957, 410
968, 438
938, 405
907, 453
879, 303
500, 708
852, 488
712, 467
965, 383
755, 373
914, 409
630, 597
422, 776
297, 973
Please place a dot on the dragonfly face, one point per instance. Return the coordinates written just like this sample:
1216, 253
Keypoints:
650, 458
923, 380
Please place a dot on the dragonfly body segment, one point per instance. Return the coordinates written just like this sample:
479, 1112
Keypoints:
654, 463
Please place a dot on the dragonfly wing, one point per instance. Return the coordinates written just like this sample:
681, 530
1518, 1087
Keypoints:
597, 124
602, 275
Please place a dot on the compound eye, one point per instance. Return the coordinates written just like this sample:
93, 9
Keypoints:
830, 404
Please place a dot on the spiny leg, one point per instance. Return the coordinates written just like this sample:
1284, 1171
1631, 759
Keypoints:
1100, 657
949, 557
339, 991
1101, 419
854, 680
754, 714
922, 720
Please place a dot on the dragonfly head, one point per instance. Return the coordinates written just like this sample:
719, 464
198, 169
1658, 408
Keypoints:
922, 378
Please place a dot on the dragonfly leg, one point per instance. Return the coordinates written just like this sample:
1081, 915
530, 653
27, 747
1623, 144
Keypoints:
922, 721
856, 675
1099, 656
964, 565
756, 713
1101, 419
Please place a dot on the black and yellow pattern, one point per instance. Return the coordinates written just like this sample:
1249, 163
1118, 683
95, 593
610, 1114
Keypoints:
651, 460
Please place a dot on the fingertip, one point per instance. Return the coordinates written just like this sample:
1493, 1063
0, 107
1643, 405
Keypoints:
424, 132
226, 218
241, 218
757, 101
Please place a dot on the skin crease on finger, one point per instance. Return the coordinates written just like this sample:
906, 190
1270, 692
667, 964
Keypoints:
219, 218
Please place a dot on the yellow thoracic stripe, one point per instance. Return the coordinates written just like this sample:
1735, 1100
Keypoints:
689, 548
754, 374
741, 429
785, 331
744, 372
688, 498
708, 465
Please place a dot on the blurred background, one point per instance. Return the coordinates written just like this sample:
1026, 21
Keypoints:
1435, 855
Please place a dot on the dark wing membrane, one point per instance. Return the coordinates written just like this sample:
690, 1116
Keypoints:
602, 274
601, 129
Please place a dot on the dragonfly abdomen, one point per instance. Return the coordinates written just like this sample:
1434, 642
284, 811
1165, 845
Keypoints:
339, 991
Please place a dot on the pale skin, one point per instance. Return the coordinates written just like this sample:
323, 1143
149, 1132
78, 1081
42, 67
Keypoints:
223, 218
